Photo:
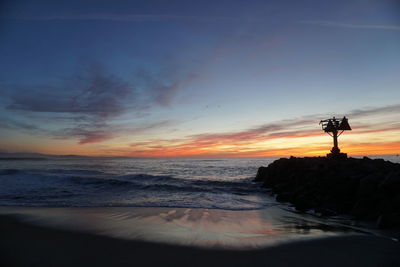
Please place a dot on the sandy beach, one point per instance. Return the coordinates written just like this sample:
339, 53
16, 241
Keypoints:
24, 242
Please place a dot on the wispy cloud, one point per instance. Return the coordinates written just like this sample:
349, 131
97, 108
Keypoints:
162, 86
95, 138
254, 134
352, 25
86, 106
6, 123
259, 140
96, 93
376, 111
122, 18
89, 133
237, 143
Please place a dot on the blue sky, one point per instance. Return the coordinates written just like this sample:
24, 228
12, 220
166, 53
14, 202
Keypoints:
95, 77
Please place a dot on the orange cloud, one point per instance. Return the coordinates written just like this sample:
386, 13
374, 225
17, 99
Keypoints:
297, 137
293, 137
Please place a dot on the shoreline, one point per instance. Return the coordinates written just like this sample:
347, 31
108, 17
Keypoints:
24, 244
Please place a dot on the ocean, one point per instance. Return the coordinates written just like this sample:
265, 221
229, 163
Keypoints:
121, 182
196, 202
131, 182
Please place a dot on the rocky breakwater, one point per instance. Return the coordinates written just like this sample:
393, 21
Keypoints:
368, 189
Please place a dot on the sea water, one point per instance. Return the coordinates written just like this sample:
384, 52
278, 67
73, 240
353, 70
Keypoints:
120, 182
100, 182
199, 202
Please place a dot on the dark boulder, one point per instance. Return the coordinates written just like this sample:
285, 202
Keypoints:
369, 184
366, 188
262, 173
391, 184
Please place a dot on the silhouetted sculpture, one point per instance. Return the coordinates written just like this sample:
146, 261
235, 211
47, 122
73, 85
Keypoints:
335, 128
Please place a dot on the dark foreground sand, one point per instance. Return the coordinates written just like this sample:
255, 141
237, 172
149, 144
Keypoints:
22, 244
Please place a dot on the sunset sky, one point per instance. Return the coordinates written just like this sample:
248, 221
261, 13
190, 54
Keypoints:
198, 78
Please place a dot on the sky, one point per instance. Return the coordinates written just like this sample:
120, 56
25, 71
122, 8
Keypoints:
198, 78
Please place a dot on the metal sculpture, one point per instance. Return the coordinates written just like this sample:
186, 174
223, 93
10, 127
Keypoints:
335, 127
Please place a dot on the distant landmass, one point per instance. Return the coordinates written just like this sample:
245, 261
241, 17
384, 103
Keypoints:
28, 155
38, 156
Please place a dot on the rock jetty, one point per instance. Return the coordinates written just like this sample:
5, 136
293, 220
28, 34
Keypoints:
368, 189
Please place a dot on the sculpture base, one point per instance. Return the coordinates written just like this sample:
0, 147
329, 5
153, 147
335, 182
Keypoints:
337, 155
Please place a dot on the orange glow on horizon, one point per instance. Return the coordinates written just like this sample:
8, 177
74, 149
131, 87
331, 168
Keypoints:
289, 140
389, 148
352, 149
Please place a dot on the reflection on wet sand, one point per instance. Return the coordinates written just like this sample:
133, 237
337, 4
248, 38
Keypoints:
195, 227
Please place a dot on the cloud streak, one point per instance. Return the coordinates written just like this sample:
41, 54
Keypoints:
97, 94
352, 26
376, 111
238, 143
163, 86
272, 138
88, 103
124, 18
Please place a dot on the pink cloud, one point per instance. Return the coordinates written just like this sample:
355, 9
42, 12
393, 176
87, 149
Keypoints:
94, 138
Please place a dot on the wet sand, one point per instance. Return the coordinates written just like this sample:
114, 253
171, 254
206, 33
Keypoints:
22, 244
216, 228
